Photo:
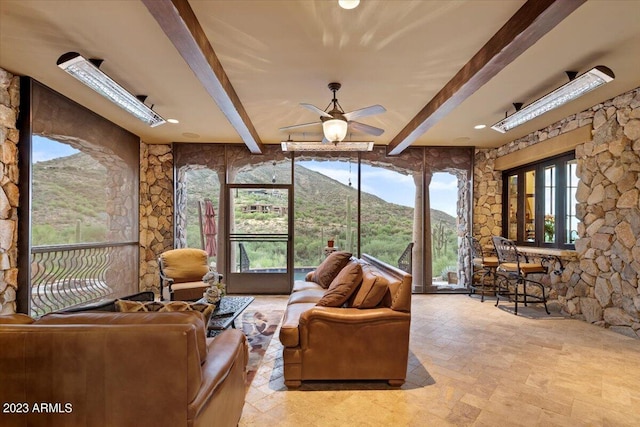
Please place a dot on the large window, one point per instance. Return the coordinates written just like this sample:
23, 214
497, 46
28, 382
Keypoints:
540, 203
79, 216
408, 210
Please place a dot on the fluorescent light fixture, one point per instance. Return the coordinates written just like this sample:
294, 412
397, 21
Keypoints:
334, 129
89, 74
326, 146
575, 88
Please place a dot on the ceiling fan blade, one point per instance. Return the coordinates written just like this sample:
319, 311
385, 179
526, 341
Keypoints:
301, 125
363, 112
371, 130
316, 110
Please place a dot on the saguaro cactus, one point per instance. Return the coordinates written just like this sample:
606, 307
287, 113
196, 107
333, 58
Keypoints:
439, 238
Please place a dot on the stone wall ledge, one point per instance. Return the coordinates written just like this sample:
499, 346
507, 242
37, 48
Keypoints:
568, 254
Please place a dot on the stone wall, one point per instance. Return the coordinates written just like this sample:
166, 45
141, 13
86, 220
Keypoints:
9, 105
156, 211
601, 286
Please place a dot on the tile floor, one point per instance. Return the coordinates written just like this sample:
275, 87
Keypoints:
470, 364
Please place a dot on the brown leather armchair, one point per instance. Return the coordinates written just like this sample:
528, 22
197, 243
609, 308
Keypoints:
181, 270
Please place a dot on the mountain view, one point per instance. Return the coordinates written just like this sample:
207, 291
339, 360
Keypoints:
322, 209
69, 201
69, 206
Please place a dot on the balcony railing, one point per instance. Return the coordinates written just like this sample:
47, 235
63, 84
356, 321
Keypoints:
405, 261
66, 275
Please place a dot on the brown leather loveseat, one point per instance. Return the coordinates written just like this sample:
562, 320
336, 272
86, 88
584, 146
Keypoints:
120, 369
349, 320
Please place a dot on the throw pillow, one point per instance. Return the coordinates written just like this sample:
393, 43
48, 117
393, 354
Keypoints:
344, 284
330, 267
142, 306
372, 290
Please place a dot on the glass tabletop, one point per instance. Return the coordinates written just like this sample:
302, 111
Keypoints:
226, 313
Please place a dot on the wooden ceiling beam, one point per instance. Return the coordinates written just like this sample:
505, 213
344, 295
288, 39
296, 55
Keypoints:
179, 23
530, 23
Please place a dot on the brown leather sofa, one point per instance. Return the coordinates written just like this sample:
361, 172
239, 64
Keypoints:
120, 369
356, 340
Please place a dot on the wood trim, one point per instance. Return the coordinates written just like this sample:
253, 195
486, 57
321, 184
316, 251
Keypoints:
532, 21
542, 150
179, 23
25, 127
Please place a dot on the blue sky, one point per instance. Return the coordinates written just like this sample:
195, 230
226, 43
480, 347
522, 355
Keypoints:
45, 149
391, 186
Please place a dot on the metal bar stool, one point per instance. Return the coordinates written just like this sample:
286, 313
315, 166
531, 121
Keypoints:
483, 266
514, 268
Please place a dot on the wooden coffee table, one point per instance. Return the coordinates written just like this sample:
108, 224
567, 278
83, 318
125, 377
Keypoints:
225, 315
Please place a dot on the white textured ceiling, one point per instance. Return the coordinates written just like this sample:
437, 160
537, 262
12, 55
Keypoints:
280, 53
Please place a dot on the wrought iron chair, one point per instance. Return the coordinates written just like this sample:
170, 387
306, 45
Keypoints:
483, 266
514, 267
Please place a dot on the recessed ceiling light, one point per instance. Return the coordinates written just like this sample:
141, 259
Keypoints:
174, 121
191, 135
475, 127
348, 4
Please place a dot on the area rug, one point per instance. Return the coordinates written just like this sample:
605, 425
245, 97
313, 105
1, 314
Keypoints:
259, 328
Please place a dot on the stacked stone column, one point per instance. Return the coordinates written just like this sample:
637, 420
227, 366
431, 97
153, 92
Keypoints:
9, 105
156, 211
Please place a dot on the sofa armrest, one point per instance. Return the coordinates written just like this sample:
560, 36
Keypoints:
221, 395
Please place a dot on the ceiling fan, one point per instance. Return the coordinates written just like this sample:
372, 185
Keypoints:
335, 122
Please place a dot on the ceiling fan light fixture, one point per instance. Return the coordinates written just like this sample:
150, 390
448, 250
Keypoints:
326, 146
574, 89
348, 4
86, 71
334, 130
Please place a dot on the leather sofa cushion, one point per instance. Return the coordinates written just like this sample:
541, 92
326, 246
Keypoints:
302, 285
309, 295
329, 268
373, 288
345, 284
169, 318
188, 291
185, 264
16, 319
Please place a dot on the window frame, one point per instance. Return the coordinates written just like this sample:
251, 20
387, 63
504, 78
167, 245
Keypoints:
560, 163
